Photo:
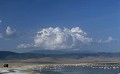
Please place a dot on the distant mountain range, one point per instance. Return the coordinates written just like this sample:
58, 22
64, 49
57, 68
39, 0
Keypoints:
59, 52
8, 55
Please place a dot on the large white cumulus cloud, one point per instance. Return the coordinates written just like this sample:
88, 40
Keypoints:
57, 38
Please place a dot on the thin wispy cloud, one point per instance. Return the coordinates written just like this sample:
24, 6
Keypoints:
0, 21
9, 33
108, 40
1, 35
25, 46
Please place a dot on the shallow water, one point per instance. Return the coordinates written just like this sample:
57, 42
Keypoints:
80, 70
59, 70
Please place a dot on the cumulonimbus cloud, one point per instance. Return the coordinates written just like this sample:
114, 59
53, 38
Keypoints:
57, 38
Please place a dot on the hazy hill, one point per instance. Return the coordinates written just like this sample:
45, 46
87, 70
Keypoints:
6, 55
59, 52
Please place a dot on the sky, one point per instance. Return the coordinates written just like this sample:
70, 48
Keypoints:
85, 25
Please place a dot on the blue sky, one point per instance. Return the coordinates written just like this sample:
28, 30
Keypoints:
20, 20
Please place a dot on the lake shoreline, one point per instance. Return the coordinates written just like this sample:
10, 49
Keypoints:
22, 68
